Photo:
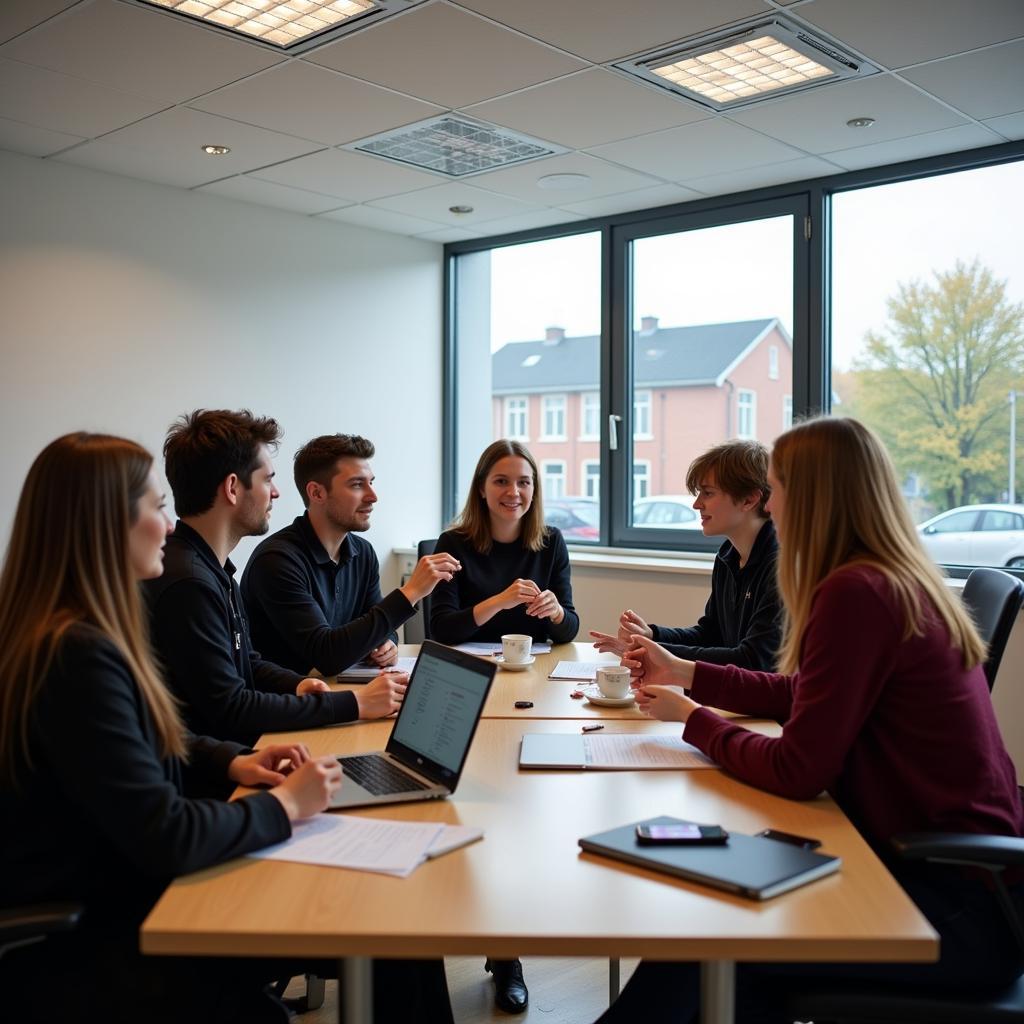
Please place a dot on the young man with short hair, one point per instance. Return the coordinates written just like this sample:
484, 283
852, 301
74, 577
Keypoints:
313, 588
218, 465
741, 622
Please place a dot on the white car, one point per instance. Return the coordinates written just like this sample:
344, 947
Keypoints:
666, 512
976, 535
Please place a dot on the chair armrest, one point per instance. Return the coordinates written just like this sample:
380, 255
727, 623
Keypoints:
964, 848
20, 923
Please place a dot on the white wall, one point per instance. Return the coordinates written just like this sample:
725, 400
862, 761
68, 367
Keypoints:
125, 304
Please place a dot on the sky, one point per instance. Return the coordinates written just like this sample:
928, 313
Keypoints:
883, 236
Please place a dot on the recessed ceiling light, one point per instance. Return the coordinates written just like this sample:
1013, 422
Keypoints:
564, 182
860, 122
454, 145
743, 65
216, 150
292, 25
460, 208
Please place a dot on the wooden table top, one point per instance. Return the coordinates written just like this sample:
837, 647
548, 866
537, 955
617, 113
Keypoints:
527, 889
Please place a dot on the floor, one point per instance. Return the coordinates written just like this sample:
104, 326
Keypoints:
562, 991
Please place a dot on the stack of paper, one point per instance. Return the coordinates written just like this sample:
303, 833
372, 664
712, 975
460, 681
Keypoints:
585, 671
486, 650
368, 844
363, 672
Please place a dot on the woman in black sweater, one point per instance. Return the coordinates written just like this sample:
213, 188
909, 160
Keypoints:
515, 570
95, 763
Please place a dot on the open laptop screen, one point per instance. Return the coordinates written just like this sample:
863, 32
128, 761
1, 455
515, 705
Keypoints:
442, 707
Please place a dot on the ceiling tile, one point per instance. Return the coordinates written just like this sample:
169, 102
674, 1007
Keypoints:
949, 140
589, 108
433, 204
166, 148
816, 120
315, 103
145, 52
601, 30
696, 150
527, 222
1011, 126
446, 235
64, 104
521, 181
266, 193
984, 84
381, 220
623, 202
763, 177
898, 34
32, 141
337, 172
446, 56
17, 16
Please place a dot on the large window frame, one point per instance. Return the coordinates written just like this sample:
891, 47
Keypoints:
809, 200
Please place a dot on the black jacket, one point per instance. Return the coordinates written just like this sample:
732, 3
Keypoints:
201, 637
741, 624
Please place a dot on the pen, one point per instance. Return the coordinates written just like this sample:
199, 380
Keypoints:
592, 728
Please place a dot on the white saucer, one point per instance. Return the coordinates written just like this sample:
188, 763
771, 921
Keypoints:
519, 666
594, 695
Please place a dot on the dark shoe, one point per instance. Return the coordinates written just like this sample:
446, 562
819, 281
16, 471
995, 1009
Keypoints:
510, 992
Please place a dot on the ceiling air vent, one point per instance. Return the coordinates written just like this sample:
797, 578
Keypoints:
744, 65
455, 146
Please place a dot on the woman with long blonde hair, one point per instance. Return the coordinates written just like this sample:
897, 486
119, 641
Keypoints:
94, 761
883, 704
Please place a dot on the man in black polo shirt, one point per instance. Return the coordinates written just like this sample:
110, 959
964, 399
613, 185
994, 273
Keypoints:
741, 623
218, 465
313, 589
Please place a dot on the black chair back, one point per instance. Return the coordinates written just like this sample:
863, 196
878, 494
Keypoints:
426, 547
993, 598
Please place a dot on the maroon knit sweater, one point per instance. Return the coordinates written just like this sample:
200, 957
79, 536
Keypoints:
897, 731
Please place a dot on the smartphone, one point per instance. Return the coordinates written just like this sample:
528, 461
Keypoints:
788, 837
682, 834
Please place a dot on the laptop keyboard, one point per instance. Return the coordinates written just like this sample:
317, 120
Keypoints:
377, 775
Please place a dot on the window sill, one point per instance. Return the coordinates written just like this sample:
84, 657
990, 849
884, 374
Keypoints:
695, 563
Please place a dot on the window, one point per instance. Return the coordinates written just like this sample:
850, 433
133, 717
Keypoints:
641, 478
553, 418
746, 414
999, 519
787, 411
642, 415
590, 472
590, 416
553, 475
773, 362
517, 415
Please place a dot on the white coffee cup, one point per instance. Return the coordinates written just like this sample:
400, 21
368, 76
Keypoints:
613, 681
515, 648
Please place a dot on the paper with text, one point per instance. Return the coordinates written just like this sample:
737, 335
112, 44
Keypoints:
619, 750
584, 671
486, 650
363, 671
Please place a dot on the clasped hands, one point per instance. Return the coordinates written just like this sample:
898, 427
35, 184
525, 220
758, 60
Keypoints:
541, 604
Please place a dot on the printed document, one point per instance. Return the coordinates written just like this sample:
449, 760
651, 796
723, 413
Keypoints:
362, 671
622, 750
584, 671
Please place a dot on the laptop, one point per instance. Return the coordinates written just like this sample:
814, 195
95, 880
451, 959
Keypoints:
430, 739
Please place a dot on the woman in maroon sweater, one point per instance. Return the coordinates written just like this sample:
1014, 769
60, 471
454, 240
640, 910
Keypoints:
883, 702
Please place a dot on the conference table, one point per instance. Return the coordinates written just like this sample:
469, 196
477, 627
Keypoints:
527, 889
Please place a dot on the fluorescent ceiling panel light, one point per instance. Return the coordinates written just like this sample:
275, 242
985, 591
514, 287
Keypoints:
455, 146
742, 66
291, 25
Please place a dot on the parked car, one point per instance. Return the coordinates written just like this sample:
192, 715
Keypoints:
577, 518
666, 512
976, 535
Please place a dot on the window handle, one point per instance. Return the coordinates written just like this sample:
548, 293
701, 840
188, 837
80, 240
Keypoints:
613, 432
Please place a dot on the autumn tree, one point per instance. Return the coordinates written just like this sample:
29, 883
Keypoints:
935, 381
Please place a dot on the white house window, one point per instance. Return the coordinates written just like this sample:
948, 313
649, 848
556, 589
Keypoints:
553, 418
591, 476
516, 418
773, 362
553, 474
787, 411
641, 478
746, 414
642, 414
590, 416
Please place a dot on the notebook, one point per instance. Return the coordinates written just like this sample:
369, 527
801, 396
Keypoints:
427, 749
750, 866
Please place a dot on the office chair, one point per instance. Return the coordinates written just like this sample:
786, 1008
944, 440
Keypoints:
993, 599
426, 547
22, 926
